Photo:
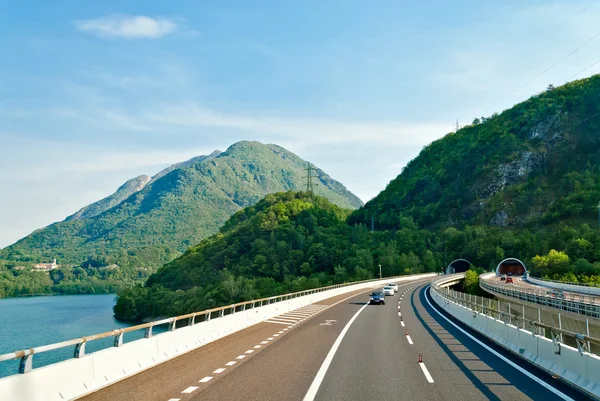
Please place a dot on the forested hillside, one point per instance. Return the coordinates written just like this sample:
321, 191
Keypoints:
175, 210
518, 184
533, 165
287, 242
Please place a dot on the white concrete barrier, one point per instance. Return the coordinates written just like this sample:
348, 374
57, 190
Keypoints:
74, 378
581, 370
581, 289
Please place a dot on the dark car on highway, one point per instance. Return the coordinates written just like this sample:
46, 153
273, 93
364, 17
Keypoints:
377, 297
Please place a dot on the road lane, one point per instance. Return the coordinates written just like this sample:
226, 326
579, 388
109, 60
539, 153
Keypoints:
286, 369
376, 361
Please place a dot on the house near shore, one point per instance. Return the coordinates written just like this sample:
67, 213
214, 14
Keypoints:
45, 267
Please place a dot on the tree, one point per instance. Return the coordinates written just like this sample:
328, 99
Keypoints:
553, 262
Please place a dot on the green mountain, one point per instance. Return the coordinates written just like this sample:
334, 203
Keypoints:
177, 209
532, 165
524, 183
286, 242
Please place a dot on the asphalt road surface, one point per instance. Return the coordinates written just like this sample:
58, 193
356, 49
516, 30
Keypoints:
344, 349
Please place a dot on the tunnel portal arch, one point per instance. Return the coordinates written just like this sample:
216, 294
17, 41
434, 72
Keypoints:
458, 266
511, 265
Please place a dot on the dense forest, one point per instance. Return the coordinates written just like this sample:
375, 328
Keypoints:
287, 242
524, 183
149, 222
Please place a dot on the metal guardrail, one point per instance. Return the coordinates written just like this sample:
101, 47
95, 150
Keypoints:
587, 285
470, 302
576, 303
26, 355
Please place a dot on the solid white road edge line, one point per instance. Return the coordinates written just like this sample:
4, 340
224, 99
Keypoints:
314, 387
426, 372
409, 339
499, 356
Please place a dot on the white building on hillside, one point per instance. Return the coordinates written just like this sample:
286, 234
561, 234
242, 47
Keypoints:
45, 267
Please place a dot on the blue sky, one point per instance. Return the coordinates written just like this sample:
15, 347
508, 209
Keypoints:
94, 93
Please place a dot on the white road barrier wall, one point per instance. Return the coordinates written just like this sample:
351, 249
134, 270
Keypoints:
582, 289
581, 370
73, 378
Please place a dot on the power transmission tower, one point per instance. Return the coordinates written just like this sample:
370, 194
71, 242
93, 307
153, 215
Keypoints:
456, 126
309, 176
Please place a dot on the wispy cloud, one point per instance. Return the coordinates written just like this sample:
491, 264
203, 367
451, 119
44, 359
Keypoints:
128, 26
324, 131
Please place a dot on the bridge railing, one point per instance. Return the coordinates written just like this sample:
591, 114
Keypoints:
478, 305
190, 319
571, 302
575, 365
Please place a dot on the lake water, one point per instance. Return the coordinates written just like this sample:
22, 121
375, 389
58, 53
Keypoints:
34, 321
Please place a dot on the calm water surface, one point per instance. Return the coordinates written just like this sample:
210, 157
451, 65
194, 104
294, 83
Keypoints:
34, 321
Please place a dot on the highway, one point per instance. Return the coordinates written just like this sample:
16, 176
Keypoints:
344, 349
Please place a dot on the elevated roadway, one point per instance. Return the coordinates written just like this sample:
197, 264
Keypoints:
344, 349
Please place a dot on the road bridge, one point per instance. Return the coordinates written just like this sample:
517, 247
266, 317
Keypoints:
342, 348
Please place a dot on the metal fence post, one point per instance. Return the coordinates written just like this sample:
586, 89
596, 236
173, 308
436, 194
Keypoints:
560, 327
587, 330
26, 364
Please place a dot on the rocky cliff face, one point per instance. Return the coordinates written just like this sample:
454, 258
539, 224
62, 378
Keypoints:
514, 172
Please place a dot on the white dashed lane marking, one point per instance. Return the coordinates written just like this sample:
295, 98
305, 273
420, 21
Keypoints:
205, 379
249, 351
409, 339
241, 357
189, 390
426, 372
220, 370
230, 363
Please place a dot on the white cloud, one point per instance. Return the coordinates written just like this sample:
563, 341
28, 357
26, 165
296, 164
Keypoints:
128, 26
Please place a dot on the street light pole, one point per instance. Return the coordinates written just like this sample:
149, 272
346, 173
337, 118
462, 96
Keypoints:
380, 271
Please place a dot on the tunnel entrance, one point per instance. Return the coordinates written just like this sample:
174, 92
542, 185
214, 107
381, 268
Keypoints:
511, 265
458, 266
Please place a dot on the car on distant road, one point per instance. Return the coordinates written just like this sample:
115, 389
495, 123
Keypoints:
387, 290
394, 286
556, 293
503, 277
377, 297
509, 278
